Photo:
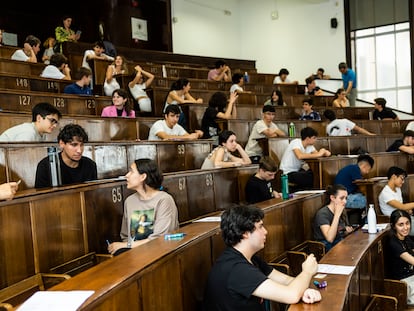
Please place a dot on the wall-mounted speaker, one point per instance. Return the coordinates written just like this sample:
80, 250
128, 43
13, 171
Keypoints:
334, 22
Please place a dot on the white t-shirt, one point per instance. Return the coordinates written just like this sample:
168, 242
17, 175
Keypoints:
289, 162
52, 72
340, 127
92, 52
161, 126
138, 90
252, 146
277, 80
410, 126
386, 196
236, 87
20, 55
22, 132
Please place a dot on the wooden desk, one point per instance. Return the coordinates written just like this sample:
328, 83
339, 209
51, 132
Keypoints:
351, 292
10, 66
30, 83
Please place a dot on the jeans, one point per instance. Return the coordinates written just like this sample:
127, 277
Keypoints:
356, 200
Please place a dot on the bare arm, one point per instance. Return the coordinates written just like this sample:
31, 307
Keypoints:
398, 205
362, 130
187, 136
273, 133
192, 99
150, 77
109, 73
228, 114
66, 72
349, 88
314, 155
407, 149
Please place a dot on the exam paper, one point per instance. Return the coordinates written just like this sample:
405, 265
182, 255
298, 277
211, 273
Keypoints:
209, 219
335, 269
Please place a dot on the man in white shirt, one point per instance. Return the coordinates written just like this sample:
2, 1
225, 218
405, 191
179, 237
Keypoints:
390, 197
30, 49
293, 163
264, 128
342, 127
169, 129
58, 68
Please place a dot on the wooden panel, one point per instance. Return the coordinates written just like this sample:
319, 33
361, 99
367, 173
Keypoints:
171, 157
275, 239
195, 154
111, 160
58, 230
17, 255
226, 189
293, 233
201, 194
177, 187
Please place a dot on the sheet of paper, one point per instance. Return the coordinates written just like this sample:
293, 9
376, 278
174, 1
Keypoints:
309, 191
335, 269
209, 219
55, 300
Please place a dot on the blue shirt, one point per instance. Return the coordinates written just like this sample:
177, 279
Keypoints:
349, 75
77, 90
347, 175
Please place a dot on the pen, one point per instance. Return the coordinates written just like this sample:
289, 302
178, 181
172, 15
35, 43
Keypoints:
174, 236
107, 242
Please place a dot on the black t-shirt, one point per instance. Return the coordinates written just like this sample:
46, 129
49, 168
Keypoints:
84, 172
317, 88
258, 190
385, 113
399, 268
209, 125
232, 280
395, 145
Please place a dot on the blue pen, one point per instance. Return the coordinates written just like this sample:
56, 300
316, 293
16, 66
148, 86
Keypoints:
107, 242
174, 236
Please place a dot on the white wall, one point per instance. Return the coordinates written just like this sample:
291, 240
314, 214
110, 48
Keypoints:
301, 39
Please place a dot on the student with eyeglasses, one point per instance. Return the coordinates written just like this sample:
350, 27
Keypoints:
45, 118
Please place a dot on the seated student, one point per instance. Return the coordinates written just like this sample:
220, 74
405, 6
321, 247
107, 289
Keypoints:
340, 100
221, 156
293, 163
169, 129
390, 197
8, 190
264, 128
282, 77
219, 107
238, 82
381, 112
118, 67
400, 252
137, 88
341, 127
45, 119
74, 168
311, 88
120, 106
148, 213
81, 85
259, 186
221, 72
320, 74
58, 68
276, 99
240, 280
30, 49
406, 144
330, 224
97, 52
48, 44
308, 112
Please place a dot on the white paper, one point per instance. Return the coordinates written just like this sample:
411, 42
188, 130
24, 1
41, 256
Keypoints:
56, 300
335, 269
380, 227
309, 191
209, 219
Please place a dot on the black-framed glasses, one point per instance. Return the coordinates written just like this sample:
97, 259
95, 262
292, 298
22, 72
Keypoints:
53, 121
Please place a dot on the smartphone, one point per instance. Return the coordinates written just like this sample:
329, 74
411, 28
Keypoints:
79, 32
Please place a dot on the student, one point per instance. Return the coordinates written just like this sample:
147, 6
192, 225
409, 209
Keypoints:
293, 163
137, 88
58, 68
308, 112
264, 128
341, 127
74, 167
30, 49
311, 88
49, 51
97, 52
222, 156
259, 186
340, 100
400, 251
221, 72
118, 67
276, 99
45, 119
320, 74
282, 77
390, 197
406, 144
120, 106
148, 213
347, 176
330, 223
81, 85
349, 82
238, 82
169, 129
381, 112
240, 280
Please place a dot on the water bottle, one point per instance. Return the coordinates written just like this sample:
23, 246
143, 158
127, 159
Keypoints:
164, 71
285, 186
246, 77
292, 130
372, 219
54, 166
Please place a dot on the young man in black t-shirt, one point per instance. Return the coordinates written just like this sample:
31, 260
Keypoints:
381, 112
74, 168
406, 144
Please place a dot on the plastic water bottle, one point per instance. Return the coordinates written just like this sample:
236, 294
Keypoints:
246, 77
54, 166
372, 219
292, 130
285, 186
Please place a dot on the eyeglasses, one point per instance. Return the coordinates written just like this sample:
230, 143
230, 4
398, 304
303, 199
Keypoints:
53, 121
402, 177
